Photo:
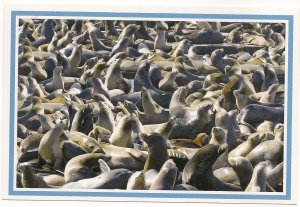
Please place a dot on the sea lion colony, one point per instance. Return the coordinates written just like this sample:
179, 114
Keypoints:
150, 105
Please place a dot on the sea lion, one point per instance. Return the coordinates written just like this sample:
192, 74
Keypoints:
114, 179
259, 178
137, 181
57, 81
153, 112
122, 135
88, 143
37, 71
49, 149
243, 169
246, 147
271, 150
198, 170
168, 82
255, 114
29, 178
166, 177
83, 166
114, 78
157, 151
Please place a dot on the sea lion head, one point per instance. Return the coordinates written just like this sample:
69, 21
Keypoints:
154, 140
218, 134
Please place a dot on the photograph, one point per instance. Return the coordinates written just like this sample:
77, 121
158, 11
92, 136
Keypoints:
149, 105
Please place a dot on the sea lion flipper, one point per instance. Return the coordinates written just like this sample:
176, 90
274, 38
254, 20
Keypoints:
103, 166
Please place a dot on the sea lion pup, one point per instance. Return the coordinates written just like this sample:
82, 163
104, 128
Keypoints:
258, 182
168, 83
271, 150
97, 45
221, 62
137, 181
57, 81
153, 112
166, 177
255, 114
157, 151
83, 166
161, 42
198, 171
246, 147
88, 143
37, 71
270, 77
36, 108
114, 78
183, 76
243, 169
49, 149
128, 31
114, 179
185, 187
29, 178
105, 117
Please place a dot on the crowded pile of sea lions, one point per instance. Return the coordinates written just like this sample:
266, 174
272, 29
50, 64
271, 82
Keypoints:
150, 105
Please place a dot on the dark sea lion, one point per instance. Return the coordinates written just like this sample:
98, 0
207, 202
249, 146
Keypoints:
198, 170
157, 151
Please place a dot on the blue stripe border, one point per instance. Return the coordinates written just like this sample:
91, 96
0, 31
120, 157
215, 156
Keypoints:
170, 16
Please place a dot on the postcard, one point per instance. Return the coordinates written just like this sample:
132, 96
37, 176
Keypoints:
121, 104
